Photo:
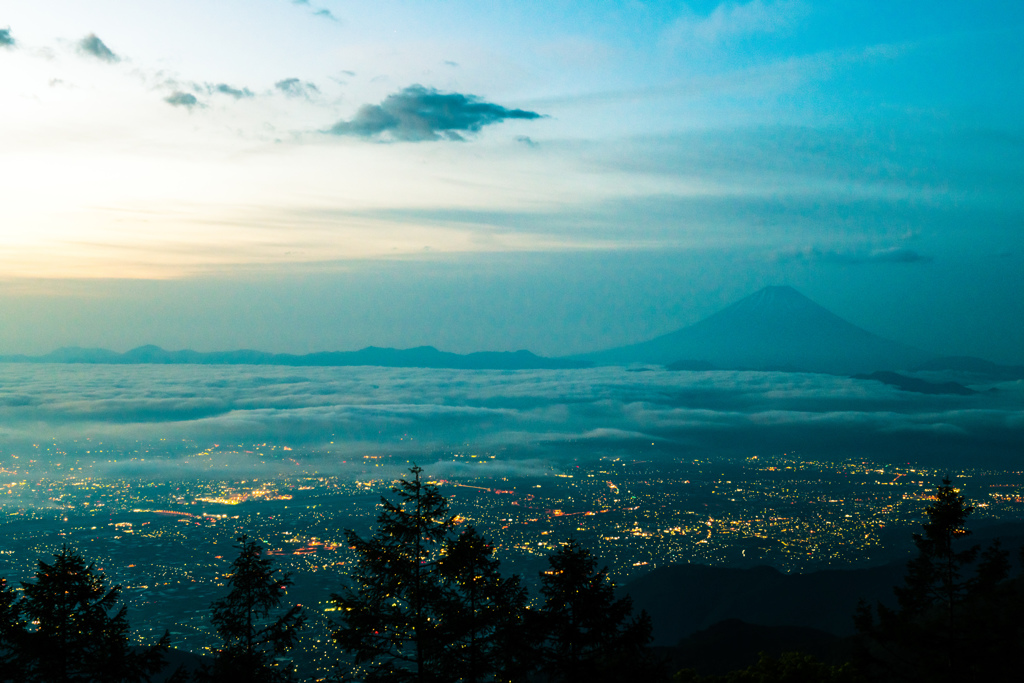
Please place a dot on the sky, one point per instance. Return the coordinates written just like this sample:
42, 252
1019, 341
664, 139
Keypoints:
559, 176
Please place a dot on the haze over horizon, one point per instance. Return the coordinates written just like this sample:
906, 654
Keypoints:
312, 176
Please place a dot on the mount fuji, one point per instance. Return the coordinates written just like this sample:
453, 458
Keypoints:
776, 328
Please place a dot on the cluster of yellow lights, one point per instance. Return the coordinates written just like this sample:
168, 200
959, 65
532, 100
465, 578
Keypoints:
236, 498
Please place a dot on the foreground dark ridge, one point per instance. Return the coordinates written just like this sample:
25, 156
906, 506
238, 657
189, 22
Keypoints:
419, 357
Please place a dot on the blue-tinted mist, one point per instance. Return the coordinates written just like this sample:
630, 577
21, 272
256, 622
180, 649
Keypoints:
329, 415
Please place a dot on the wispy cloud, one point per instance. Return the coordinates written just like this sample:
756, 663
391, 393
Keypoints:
6, 39
225, 89
323, 12
857, 257
294, 87
731, 20
417, 114
93, 46
182, 99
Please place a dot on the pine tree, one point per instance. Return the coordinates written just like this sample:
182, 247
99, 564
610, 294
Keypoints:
935, 576
79, 636
484, 622
517, 636
947, 607
12, 635
253, 638
391, 614
590, 636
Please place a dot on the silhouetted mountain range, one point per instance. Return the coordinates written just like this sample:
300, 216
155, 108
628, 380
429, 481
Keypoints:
419, 357
776, 328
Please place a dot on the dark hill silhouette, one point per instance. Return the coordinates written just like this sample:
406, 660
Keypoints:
776, 328
419, 357
733, 644
918, 386
686, 598
683, 599
175, 659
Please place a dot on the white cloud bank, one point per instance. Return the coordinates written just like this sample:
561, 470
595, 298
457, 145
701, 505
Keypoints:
543, 416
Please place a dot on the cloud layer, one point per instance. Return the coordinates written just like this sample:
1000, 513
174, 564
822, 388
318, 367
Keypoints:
417, 113
542, 416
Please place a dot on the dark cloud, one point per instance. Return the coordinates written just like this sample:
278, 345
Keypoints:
182, 99
226, 89
898, 255
92, 45
853, 258
416, 114
293, 87
6, 40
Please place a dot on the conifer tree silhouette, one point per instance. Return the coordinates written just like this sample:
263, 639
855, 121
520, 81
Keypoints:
935, 576
590, 635
391, 614
484, 624
12, 635
79, 635
947, 607
252, 637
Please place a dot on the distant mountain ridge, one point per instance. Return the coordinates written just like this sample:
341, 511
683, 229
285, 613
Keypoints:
776, 328
916, 385
418, 357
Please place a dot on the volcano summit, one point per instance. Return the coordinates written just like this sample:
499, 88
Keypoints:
776, 328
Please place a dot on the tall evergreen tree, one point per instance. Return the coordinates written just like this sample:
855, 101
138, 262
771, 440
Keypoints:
517, 634
935, 576
12, 635
484, 622
591, 636
79, 634
942, 629
253, 632
391, 614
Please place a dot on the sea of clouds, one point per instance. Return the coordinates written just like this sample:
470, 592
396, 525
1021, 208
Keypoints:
527, 419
